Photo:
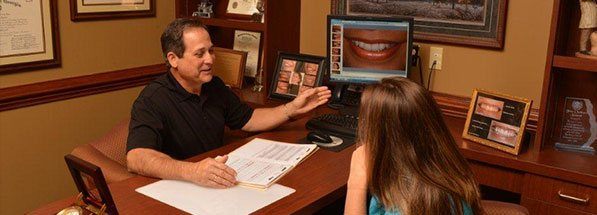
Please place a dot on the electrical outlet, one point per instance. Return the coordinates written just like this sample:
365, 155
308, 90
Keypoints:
436, 54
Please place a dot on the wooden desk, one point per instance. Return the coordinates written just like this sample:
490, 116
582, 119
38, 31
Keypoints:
319, 180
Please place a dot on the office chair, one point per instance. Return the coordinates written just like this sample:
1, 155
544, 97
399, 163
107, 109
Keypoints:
108, 152
502, 208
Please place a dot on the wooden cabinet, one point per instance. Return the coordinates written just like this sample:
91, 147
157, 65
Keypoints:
279, 32
566, 76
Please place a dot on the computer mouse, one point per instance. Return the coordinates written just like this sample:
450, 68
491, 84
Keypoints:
319, 137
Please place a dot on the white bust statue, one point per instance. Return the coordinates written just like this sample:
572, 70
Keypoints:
587, 25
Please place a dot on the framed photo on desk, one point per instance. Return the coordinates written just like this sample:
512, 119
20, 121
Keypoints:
295, 73
94, 194
497, 120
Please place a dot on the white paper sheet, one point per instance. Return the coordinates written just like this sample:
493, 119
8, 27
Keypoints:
195, 199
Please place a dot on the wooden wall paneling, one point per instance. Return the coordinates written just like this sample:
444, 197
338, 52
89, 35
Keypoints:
56, 90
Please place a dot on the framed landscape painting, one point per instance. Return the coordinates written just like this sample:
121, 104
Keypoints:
478, 23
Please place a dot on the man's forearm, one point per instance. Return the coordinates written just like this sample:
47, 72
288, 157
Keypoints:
152, 163
267, 118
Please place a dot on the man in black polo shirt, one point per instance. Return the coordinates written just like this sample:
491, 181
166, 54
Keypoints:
184, 112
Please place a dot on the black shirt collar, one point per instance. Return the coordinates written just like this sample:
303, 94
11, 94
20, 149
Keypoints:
171, 83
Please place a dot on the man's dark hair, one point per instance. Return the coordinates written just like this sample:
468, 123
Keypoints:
172, 37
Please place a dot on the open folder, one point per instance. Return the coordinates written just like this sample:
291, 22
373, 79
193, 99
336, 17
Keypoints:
261, 162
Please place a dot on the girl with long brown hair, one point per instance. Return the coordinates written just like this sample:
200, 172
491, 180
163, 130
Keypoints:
407, 159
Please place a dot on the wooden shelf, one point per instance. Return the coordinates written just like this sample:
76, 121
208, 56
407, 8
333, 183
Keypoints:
575, 63
234, 24
279, 33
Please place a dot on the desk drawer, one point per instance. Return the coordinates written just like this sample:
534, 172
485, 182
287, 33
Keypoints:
537, 207
560, 193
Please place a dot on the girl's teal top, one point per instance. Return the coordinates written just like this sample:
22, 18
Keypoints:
376, 208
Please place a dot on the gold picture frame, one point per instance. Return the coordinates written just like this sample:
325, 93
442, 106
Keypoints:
230, 66
84, 10
497, 120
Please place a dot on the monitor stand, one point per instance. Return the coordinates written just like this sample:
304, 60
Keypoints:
346, 96
336, 99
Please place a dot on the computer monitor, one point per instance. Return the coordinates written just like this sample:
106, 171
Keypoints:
364, 50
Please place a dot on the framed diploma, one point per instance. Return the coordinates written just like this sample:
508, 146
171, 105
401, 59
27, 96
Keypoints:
242, 8
497, 120
249, 42
82, 10
29, 36
230, 66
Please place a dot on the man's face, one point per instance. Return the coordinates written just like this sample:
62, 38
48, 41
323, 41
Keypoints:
193, 68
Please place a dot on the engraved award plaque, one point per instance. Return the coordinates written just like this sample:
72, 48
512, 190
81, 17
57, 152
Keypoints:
579, 126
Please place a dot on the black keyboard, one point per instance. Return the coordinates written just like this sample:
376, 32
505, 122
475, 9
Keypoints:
344, 125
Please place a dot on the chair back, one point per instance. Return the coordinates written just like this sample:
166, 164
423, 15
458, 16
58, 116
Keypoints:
503, 208
108, 153
113, 144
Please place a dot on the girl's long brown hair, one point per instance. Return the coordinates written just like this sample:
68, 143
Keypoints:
413, 161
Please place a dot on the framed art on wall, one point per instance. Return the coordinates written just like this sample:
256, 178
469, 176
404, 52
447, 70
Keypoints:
296, 73
478, 23
497, 120
83, 10
29, 37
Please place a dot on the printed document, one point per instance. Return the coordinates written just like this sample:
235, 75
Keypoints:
261, 162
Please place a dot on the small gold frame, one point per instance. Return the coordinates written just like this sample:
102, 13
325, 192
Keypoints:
497, 120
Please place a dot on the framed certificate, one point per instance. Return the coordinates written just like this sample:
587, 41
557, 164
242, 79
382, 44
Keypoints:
244, 8
29, 36
82, 10
249, 42
497, 120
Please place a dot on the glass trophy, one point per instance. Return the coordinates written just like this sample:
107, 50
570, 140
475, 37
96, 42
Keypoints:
258, 17
258, 81
578, 130
204, 9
